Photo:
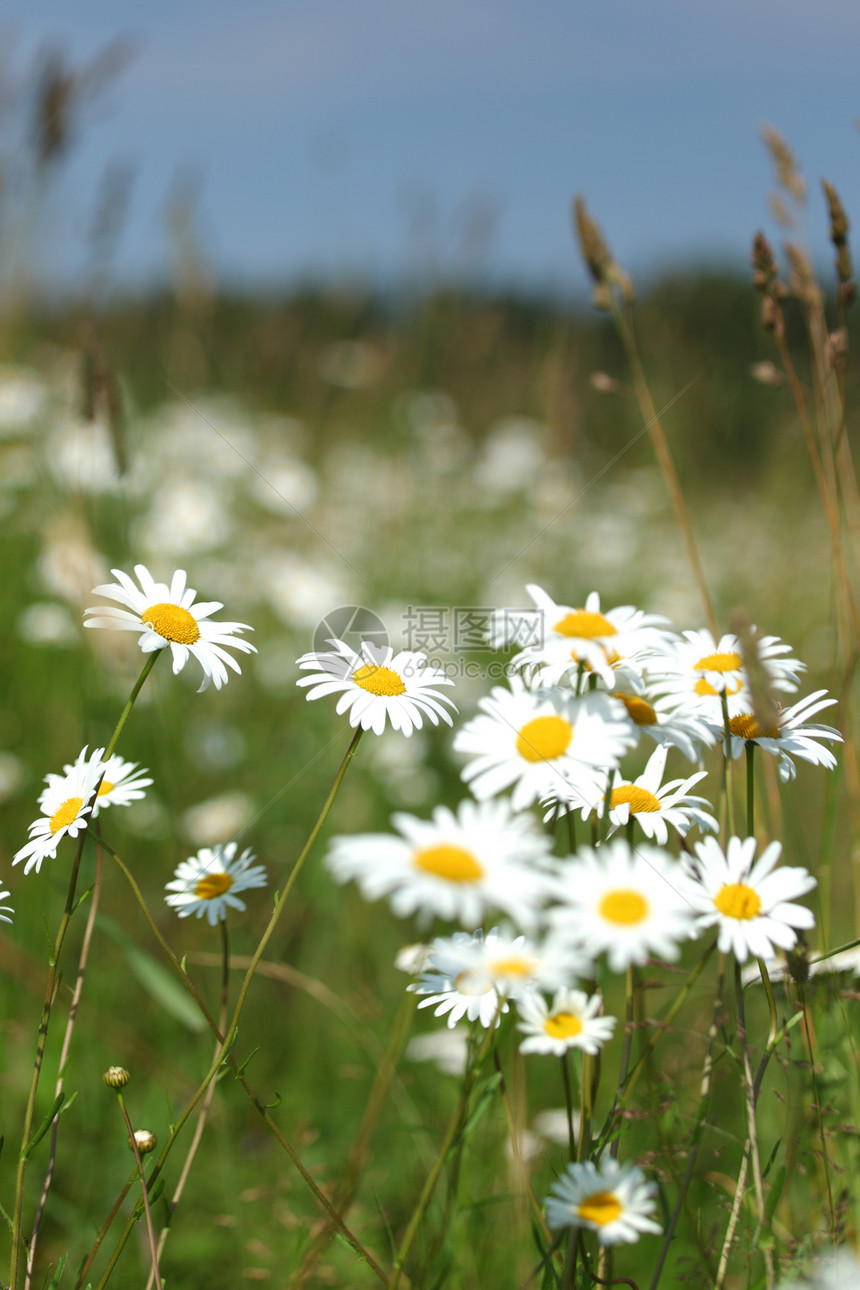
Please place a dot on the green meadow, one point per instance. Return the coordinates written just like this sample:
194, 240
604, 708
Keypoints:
421, 456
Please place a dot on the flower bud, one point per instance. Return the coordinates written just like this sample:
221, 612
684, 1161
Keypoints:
116, 1077
144, 1141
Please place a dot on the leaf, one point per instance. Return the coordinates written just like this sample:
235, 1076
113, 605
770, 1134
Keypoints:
44, 1126
58, 1275
161, 984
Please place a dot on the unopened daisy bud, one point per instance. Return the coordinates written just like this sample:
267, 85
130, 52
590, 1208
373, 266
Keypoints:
116, 1077
144, 1141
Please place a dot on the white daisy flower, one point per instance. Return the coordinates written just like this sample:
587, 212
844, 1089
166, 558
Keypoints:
378, 685
565, 638
167, 615
473, 968
749, 903
632, 904
684, 731
570, 1021
122, 784
5, 910
702, 670
454, 986
209, 881
613, 1200
534, 743
654, 806
452, 866
791, 734
65, 805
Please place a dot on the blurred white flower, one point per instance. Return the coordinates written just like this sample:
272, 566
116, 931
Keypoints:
47, 624
218, 819
22, 399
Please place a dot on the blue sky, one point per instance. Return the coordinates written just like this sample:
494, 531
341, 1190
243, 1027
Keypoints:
378, 138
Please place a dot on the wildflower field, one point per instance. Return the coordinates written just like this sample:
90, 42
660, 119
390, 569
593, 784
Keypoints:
430, 792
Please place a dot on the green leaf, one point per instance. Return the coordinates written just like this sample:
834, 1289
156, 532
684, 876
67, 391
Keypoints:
44, 1126
58, 1275
162, 985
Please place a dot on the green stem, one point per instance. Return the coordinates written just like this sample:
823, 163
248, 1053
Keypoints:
627, 1047
727, 768
150, 1230
752, 1131
699, 1126
750, 752
136, 689
105, 1228
223, 1051
50, 991
568, 1101
458, 1120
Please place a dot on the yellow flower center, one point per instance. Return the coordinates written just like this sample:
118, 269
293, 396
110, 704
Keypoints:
453, 864
729, 662
624, 907
639, 799
563, 1025
513, 966
105, 787
637, 709
66, 814
544, 738
737, 900
378, 680
601, 1207
213, 885
745, 726
172, 622
586, 625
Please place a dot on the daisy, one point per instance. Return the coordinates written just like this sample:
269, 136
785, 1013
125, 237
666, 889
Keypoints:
534, 743
632, 904
456, 988
790, 734
209, 881
570, 1021
452, 866
654, 806
5, 909
685, 731
122, 784
567, 638
613, 1200
702, 670
464, 971
749, 903
378, 685
65, 805
167, 615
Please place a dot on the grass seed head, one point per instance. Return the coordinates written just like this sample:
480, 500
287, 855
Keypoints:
785, 165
